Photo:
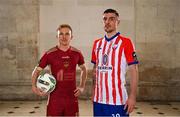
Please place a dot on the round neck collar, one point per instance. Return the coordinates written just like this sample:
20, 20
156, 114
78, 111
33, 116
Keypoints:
63, 50
109, 39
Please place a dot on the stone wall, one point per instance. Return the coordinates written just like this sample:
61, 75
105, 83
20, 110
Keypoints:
28, 28
85, 17
19, 31
157, 42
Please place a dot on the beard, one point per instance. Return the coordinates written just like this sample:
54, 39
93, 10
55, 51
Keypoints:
108, 30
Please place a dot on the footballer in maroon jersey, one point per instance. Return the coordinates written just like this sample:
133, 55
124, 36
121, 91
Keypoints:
62, 60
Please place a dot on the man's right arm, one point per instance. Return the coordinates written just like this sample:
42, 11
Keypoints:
34, 77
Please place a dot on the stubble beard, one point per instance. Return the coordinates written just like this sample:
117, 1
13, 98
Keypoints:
108, 30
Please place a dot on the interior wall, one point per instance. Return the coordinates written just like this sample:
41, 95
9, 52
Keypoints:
28, 28
85, 17
19, 30
157, 24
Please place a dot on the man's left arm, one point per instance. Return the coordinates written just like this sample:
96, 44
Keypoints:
133, 72
83, 77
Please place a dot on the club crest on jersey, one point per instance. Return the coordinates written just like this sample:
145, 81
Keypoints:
66, 61
105, 59
114, 46
66, 64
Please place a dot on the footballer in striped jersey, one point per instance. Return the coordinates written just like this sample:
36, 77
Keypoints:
111, 55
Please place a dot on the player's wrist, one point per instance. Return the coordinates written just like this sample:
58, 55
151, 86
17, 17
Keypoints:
34, 86
81, 89
132, 96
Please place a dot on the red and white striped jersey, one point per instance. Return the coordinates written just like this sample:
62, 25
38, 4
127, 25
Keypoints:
111, 57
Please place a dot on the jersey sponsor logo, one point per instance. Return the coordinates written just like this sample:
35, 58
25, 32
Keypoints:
65, 57
105, 59
104, 68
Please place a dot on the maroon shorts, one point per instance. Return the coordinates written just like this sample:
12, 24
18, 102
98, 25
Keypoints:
63, 106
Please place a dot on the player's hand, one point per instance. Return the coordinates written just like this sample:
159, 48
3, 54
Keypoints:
38, 91
130, 103
78, 91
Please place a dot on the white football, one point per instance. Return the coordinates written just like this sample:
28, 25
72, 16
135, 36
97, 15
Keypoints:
46, 83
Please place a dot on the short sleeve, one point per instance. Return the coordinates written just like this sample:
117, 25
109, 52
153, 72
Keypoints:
130, 53
81, 59
43, 61
93, 55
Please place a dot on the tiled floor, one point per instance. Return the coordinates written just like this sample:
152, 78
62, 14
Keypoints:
37, 108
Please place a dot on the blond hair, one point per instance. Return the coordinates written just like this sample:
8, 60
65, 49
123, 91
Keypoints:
64, 26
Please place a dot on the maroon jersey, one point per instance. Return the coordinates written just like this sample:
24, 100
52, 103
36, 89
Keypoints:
63, 68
